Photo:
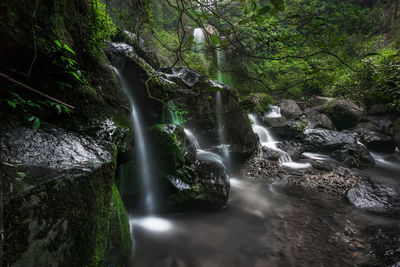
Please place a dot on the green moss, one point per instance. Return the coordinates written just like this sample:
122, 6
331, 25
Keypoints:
119, 245
170, 143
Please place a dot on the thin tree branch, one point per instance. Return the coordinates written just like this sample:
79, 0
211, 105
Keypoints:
35, 91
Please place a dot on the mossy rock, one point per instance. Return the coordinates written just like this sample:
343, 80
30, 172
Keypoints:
119, 244
170, 141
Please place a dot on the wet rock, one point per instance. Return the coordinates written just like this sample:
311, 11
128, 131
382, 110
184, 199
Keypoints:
376, 196
290, 109
344, 113
354, 155
396, 130
269, 154
206, 187
119, 244
139, 47
184, 76
53, 180
170, 141
366, 126
318, 101
117, 50
273, 121
291, 128
292, 147
378, 142
385, 243
383, 122
326, 140
318, 120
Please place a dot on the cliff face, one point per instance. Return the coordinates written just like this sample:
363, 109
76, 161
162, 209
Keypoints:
60, 204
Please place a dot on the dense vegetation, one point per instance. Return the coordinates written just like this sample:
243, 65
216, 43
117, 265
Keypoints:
292, 49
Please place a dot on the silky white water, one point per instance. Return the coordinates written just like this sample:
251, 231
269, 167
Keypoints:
202, 154
141, 145
274, 112
198, 40
267, 141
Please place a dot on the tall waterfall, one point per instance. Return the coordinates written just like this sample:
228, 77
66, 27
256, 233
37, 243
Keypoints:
142, 148
198, 40
267, 141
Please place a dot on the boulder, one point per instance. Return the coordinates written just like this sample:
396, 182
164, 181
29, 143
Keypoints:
269, 154
343, 112
318, 101
273, 121
378, 142
290, 109
396, 132
366, 126
57, 197
292, 147
383, 122
321, 140
385, 243
291, 128
204, 187
318, 120
354, 155
376, 196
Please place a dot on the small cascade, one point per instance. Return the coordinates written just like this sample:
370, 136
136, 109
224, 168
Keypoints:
202, 154
142, 148
267, 141
198, 46
220, 124
171, 115
274, 112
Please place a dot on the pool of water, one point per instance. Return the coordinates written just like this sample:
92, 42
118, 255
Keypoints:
263, 225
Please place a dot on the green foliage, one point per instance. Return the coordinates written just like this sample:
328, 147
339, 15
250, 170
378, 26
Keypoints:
101, 27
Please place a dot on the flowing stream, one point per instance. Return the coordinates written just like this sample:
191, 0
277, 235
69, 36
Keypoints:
267, 140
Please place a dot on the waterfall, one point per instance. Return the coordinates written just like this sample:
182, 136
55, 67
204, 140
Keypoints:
202, 154
142, 148
198, 40
220, 124
274, 112
172, 116
267, 141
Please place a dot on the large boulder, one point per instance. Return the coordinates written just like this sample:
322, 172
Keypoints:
204, 187
344, 113
396, 132
291, 128
378, 142
318, 120
321, 140
376, 196
273, 121
290, 109
354, 155
315, 101
57, 197
191, 179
